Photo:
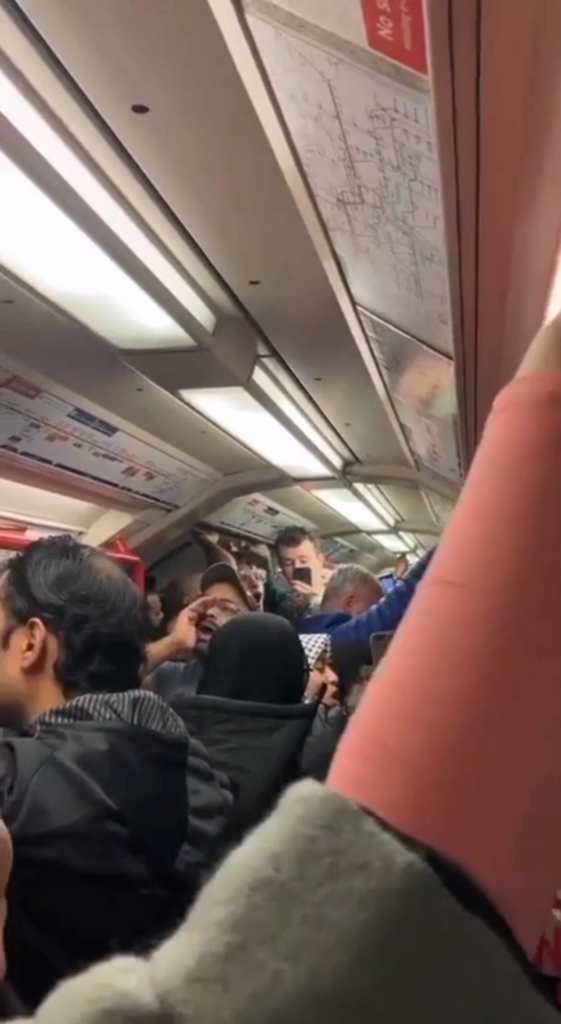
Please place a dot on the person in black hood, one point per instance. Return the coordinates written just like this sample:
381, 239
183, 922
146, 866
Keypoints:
250, 713
255, 657
115, 812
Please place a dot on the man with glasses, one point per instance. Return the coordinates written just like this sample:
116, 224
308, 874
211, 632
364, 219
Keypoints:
174, 664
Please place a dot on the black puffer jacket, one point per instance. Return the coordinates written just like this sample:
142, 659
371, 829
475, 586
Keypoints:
116, 817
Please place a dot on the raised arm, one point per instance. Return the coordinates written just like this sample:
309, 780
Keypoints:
458, 744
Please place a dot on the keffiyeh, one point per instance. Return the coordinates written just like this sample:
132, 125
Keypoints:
315, 646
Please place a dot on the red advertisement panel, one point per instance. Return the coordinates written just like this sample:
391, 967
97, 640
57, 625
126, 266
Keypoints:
396, 29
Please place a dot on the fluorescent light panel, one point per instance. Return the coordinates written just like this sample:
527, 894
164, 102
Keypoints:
21, 113
373, 497
296, 416
42, 246
35, 507
346, 504
241, 416
397, 543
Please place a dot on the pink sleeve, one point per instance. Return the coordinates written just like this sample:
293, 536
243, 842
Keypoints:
457, 742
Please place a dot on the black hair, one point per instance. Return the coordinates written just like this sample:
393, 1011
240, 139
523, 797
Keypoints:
348, 661
173, 600
88, 602
151, 583
293, 536
247, 556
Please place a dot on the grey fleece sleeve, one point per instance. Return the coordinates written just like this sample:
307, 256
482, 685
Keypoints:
320, 915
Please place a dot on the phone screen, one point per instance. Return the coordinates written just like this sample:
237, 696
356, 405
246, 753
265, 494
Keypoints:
387, 582
303, 574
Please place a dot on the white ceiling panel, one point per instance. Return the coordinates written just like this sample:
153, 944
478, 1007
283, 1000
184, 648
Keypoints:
29, 504
409, 502
441, 508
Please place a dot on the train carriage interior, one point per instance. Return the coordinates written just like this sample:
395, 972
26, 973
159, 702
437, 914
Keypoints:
266, 263
303, 297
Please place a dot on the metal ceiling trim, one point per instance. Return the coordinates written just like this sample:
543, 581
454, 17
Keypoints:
407, 526
453, 33
373, 473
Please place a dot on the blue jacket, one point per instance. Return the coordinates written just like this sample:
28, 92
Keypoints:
383, 617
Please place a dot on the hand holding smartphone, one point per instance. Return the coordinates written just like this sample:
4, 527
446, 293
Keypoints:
302, 574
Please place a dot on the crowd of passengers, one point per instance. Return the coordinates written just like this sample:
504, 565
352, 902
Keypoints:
258, 659
143, 740
142, 737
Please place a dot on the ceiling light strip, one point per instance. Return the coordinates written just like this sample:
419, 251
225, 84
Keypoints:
288, 385
351, 508
45, 248
396, 543
26, 119
290, 409
372, 496
240, 415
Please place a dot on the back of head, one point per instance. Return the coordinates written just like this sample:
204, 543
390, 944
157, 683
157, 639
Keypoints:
70, 620
351, 589
256, 657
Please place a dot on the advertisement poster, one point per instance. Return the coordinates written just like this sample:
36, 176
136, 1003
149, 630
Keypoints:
46, 430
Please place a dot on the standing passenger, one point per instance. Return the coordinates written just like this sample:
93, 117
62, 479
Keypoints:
115, 814
175, 663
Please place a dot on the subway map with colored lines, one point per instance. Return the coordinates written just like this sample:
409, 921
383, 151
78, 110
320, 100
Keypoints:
367, 146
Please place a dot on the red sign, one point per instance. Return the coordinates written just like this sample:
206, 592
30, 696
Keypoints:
396, 29
21, 387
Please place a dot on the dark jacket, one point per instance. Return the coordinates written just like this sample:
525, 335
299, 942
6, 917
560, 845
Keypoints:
258, 746
173, 678
116, 818
281, 599
327, 728
382, 617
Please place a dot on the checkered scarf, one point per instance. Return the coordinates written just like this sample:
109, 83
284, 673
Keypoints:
315, 645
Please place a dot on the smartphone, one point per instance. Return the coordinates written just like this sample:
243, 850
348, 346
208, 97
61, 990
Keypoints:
302, 574
379, 643
387, 582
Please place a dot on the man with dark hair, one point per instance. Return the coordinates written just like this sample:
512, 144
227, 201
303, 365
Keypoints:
296, 548
175, 663
115, 813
